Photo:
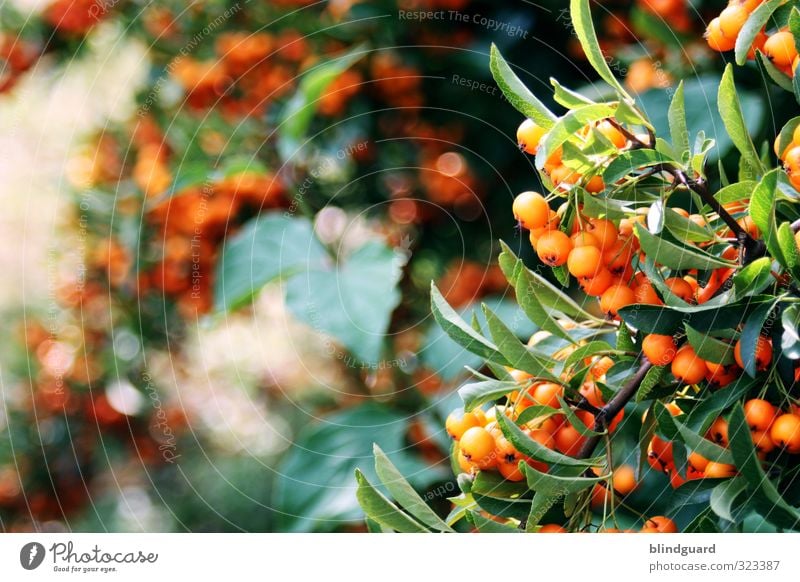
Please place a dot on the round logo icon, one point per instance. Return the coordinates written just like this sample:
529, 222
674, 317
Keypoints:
31, 555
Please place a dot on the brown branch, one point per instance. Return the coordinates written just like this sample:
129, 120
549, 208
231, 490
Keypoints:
614, 406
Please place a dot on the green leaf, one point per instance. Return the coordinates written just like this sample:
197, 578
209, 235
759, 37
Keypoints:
786, 135
492, 484
755, 22
540, 299
267, 248
581, 17
778, 76
646, 433
754, 278
316, 490
677, 122
703, 415
790, 338
549, 489
631, 162
762, 211
381, 510
666, 320
518, 95
710, 348
515, 352
458, 330
625, 341
651, 379
568, 126
567, 97
486, 525
684, 229
299, 111
724, 495
737, 191
475, 394
404, 494
730, 110
788, 248
676, 256
587, 350
531, 448
353, 300
750, 334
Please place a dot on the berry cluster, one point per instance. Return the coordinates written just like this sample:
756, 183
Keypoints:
778, 46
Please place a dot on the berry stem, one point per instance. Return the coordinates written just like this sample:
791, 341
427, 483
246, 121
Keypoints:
610, 410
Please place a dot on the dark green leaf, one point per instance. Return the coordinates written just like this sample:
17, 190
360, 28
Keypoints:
730, 109
381, 510
710, 348
675, 256
518, 95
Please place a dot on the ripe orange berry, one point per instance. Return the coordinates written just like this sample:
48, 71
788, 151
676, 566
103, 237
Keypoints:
568, 440
718, 432
716, 470
553, 248
510, 471
759, 414
612, 134
592, 394
780, 48
791, 159
597, 285
584, 261
551, 528
758, 44
624, 479
688, 367
716, 40
618, 257
531, 210
646, 293
564, 175
680, 288
584, 239
458, 422
615, 298
719, 375
529, 135
697, 462
504, 450
595, 184
659, 524
605, 232
542, 436
659, 349
478, 446
785, 432
732, 19
762, 442
602, 366
464, 463
763, 353
547, 393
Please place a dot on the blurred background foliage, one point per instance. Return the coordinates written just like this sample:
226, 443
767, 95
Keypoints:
222, 223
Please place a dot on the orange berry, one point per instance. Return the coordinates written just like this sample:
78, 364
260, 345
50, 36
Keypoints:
680, 288
718, 432
553, 248
785, 432
584, 239
762, 442
584, 261
604, 230
510, 471
547, 393
478, 446
763, 353
688, 367
624, 479
697, 462
716, 470
568, 440
719, 375
732, 19
612, 134
551, 528
531, 210
595, 184
592, 394
780, 48
646, 293
659, 349
759, 414
615, 298
716, 40
529, 135
791, 159
618, 257
458, 422
602, 366
564, 175
597, 285
659, 524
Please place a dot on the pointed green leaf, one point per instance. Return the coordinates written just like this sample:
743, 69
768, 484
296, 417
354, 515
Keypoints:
730, 110
383, 511
517, 93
